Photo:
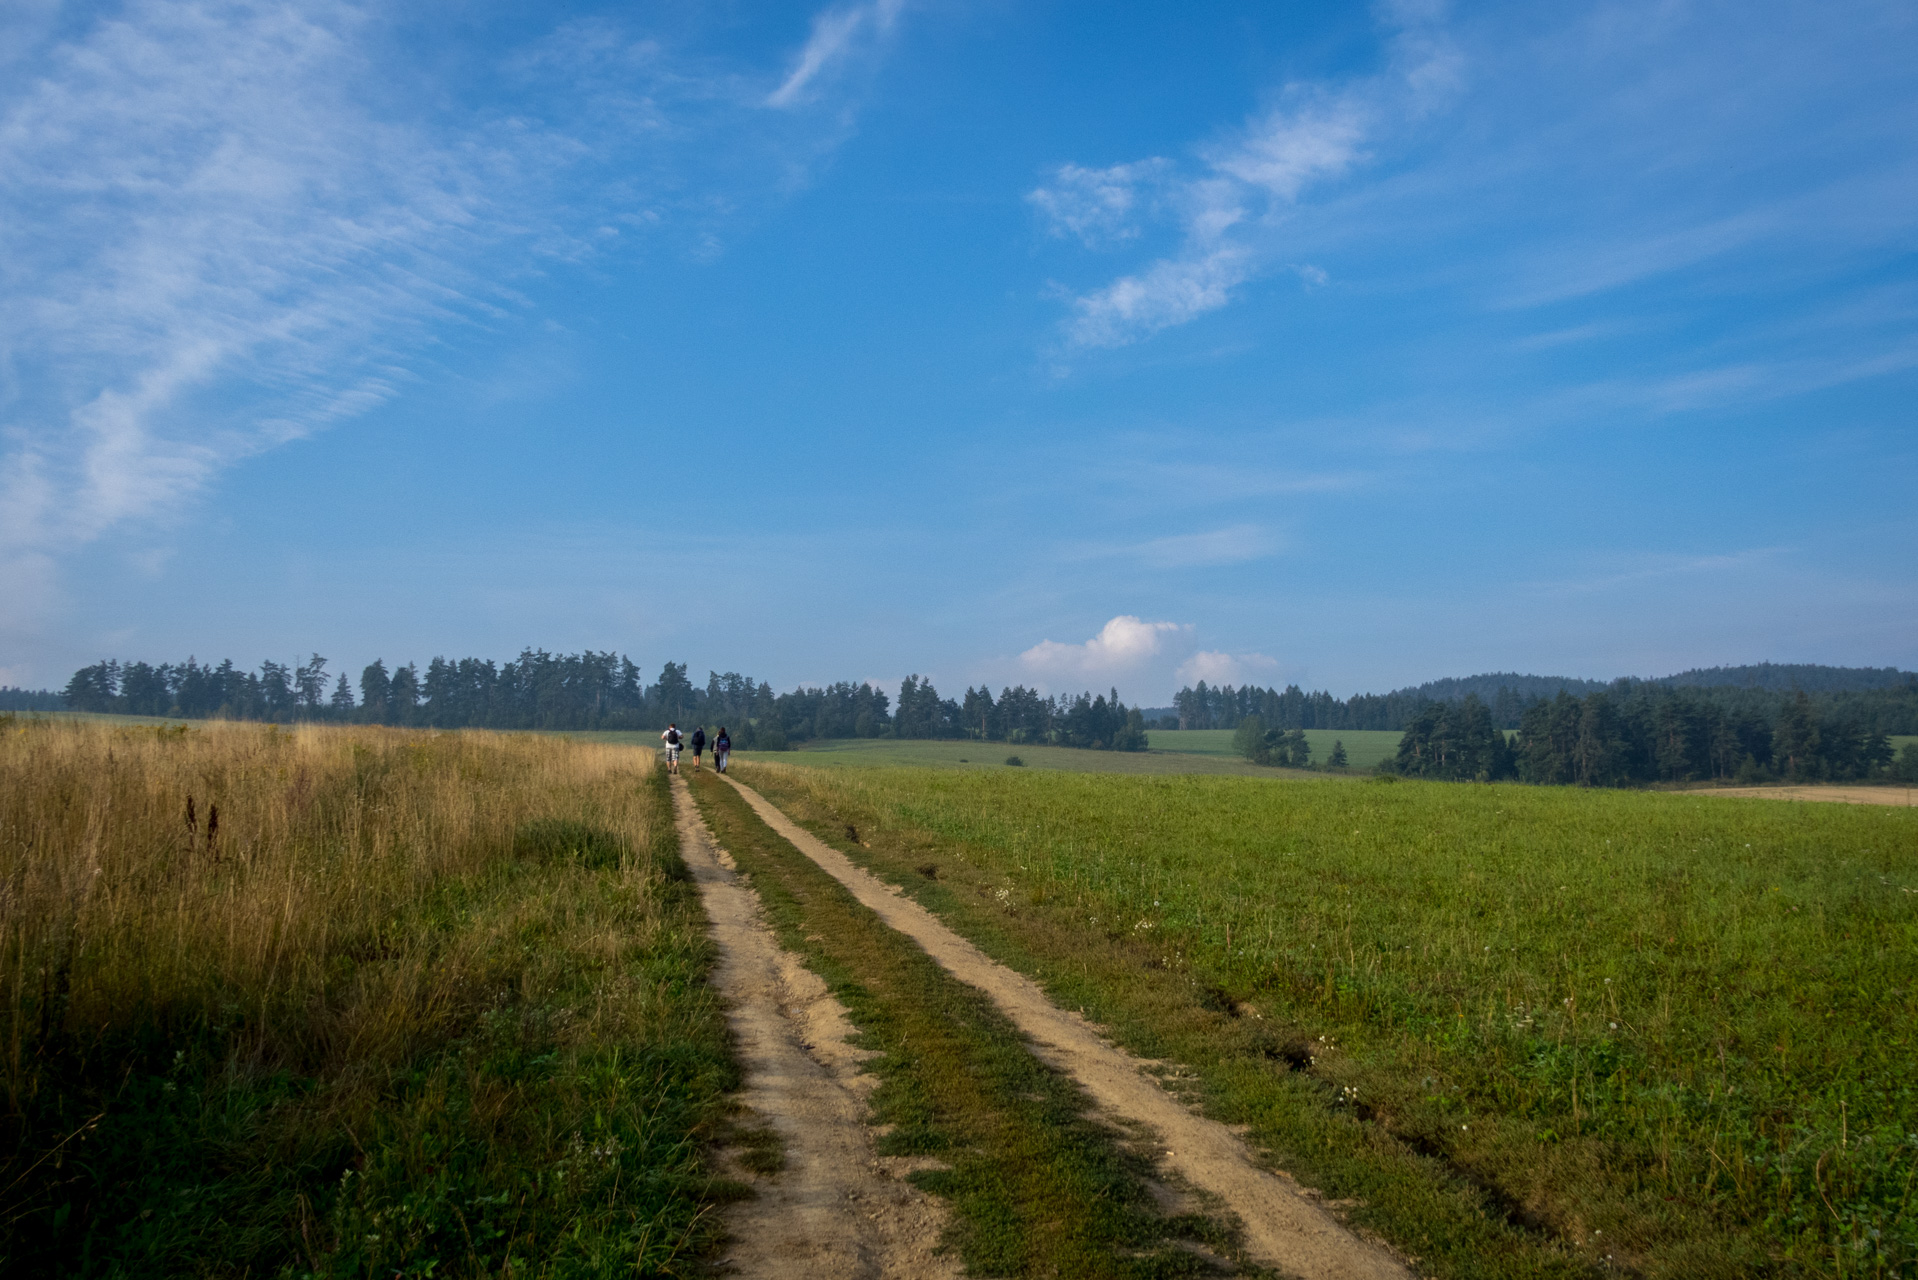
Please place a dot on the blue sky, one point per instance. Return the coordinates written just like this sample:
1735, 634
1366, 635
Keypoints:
1071, 344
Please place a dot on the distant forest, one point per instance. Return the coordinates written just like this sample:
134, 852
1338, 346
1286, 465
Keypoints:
1873, 699
13, 699
593, 691
1729, 724
1651, 734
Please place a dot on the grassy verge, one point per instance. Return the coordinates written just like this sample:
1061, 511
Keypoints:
419, 1004
1037, 1189
1533, 1030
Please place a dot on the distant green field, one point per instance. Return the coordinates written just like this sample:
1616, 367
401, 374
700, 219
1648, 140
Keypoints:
1672, 1033
1364, 747
1205, 751
1171, 750
983, 756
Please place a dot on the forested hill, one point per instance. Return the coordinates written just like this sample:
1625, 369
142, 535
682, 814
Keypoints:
1790, 677
1877, 699
1768, 677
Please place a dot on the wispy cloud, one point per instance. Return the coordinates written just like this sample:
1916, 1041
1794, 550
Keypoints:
1099, 207
1228, 210
1217, 668
1232, 544
1655, 566
191, 194
225, 226
838, 34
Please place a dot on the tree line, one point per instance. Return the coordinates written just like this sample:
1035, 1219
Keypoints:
13, 698
1648, 734
594, 691
1866, 698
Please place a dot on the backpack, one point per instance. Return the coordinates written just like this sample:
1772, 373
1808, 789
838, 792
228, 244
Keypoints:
672, 737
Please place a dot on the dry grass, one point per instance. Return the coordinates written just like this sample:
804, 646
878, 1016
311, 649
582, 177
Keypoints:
408, 999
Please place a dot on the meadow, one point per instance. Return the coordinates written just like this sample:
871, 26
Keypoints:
348, 1001
1202, 751
1523, 1031
1364, 748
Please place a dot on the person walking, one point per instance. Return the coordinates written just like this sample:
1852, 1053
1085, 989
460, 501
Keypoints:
722, 749
699, 745
672, 740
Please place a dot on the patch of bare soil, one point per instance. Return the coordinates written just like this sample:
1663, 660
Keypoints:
1283, 1225
1833, 795
837, 1208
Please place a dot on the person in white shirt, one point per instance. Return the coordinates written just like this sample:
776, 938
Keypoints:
671, 739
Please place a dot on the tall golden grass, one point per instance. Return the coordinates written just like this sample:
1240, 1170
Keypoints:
304, 949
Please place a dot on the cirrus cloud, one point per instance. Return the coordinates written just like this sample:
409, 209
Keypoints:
1230, 212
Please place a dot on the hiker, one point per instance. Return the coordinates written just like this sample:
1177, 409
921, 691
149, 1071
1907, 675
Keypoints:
722, 748
671, 738
699, 745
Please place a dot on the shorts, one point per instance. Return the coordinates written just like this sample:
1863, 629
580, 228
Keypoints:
672, 755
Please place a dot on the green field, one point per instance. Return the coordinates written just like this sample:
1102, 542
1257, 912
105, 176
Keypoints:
1364, 747
1205, 751
1644, 1032
920, 753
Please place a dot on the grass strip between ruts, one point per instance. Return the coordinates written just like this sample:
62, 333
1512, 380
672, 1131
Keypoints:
1037, 1188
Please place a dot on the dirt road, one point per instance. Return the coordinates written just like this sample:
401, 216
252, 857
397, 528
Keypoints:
837, 1208
1903, 796
1283, 1227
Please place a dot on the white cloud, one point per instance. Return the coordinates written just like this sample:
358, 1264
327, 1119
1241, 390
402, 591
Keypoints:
1168, 293
1229, 213
1292, 147
836, 36
1098, 206
223, 227
190, 194
1123, 644
1217, 668
1235, 544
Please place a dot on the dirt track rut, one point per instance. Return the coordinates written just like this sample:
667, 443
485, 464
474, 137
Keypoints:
1283, 1227
837, 1208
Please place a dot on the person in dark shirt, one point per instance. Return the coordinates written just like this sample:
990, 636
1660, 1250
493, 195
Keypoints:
722, 749
699, 745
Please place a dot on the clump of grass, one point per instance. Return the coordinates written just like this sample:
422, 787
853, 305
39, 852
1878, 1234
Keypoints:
373, 1002
1530, 1027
